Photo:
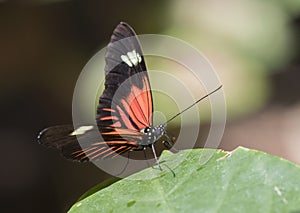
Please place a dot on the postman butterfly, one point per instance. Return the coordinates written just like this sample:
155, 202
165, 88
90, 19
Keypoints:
124, 114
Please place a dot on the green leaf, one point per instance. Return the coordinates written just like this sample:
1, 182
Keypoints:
205, 181
98, 187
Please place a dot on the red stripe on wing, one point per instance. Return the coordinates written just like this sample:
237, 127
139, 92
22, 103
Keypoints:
102, 150
108, 109
137, 106
109, 118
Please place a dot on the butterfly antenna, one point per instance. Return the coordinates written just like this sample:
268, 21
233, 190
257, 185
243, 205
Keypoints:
193, 104
155, 156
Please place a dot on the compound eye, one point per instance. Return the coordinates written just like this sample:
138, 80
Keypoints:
144, 130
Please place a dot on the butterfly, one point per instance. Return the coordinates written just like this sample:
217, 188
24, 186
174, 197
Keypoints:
124, 114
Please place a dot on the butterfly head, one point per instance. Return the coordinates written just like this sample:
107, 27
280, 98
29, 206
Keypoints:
152, 134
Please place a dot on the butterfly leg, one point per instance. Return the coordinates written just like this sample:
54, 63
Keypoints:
169, 144
143, 148
156, 159
158, 163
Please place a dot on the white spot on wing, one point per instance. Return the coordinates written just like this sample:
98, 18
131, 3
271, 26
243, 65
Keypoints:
126, 60
131, 58
81, 130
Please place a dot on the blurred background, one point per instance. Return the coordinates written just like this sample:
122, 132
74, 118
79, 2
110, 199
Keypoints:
44, 44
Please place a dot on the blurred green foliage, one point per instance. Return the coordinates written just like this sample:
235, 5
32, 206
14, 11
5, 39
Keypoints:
244, 40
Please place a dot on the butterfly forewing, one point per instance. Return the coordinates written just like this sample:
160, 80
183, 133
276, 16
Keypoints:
127, 100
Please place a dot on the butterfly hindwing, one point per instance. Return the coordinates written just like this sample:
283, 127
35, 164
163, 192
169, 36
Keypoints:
91, 146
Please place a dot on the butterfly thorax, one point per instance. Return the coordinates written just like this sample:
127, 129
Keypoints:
152, 134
